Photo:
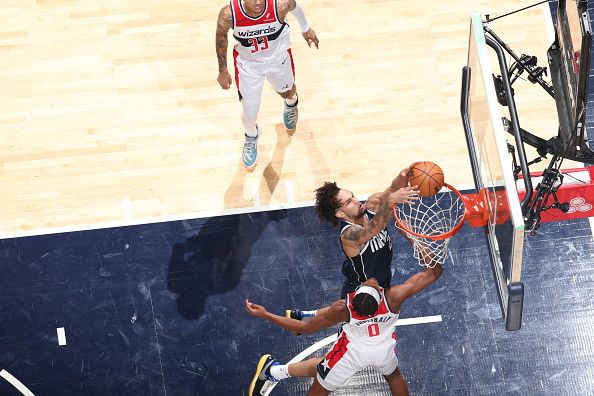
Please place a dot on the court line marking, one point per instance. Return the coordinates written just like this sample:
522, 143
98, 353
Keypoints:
256, 196
331, 338
61, 336
16, 383
419, 320
290, 194
168, 218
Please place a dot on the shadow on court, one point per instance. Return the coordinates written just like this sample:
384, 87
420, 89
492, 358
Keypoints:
212, 262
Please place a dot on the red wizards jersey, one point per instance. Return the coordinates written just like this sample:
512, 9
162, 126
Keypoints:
374, 329
261, 38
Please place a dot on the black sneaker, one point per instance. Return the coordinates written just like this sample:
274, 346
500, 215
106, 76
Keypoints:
262, 376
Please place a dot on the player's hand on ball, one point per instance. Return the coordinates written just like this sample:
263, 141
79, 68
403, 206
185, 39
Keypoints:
406, 172
408, 195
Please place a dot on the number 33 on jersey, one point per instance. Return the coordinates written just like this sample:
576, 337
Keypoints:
259, 38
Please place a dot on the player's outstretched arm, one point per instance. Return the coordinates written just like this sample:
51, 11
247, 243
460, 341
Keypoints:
399, 293
224, 23
325, 317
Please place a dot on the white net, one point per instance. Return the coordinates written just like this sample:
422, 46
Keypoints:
432, 218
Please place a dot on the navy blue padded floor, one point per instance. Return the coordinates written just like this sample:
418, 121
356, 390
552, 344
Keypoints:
157, 310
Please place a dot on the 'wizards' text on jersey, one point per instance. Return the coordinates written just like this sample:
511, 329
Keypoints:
259, 38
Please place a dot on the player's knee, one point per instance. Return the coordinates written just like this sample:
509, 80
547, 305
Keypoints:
291, 93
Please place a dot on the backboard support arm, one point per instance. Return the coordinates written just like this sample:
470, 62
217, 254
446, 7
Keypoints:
515, 124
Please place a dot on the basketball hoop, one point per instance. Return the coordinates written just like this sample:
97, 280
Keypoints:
431, 222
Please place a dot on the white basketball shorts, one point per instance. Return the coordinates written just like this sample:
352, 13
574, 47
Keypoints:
346, 358
250, 75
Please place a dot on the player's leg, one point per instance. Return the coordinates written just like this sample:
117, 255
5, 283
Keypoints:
306, 368
340, 364
397, 384
269, 369
387, 365
282, 77
249, 86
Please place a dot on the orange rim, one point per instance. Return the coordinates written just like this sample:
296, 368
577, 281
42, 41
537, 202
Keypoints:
445, 235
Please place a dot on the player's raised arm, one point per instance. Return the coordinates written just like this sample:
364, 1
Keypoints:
397, 294
224, 23
325, 317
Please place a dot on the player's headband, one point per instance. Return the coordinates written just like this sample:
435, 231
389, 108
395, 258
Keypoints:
369, 290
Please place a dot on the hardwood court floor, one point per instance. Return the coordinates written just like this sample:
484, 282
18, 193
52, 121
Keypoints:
111, 113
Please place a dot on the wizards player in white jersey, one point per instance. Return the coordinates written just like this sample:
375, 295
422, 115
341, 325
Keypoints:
262, 51
367, 339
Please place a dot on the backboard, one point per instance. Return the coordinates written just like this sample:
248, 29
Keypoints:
493, 174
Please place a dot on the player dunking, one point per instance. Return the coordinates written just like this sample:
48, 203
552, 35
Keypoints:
262, 50
364, 235
367, 339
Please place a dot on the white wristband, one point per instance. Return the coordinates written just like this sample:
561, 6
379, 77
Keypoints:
300, 16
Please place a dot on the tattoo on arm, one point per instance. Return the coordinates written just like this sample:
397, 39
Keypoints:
380, 220
224, 23
353, 233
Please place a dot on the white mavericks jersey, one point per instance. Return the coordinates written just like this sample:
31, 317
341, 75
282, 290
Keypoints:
262, 38
371, 330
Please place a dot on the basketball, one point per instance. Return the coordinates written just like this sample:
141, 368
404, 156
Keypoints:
428, 176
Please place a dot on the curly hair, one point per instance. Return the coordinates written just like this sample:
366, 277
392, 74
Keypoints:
365, 304
327, 203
